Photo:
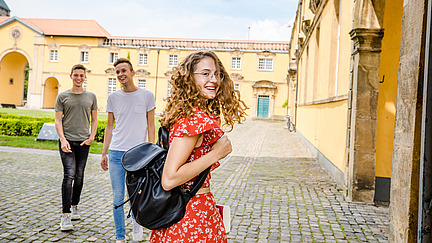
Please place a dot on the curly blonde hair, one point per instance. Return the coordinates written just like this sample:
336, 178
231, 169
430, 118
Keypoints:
185, 94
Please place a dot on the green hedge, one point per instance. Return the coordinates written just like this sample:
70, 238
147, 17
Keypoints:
18, 125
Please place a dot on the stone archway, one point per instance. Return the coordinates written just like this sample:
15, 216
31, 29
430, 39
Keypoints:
12, 78
50, 92
264, 93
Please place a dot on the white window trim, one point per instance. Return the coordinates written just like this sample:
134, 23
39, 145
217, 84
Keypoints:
172, 60
54, 58
144, 61
84, 85
112, 86
237, 87
142, 80
237, 63
115, 56
265, 64
169, 87
86, 57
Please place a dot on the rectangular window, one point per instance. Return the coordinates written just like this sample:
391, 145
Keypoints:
265, 64
142, 61
113, 57
142, 83
53, 56
111, 85
84, 57
85, 84
169, 90
172, 62
237, 87
236, 63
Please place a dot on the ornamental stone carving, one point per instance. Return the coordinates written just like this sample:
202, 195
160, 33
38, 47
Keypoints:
236, 77
266, 54
84, 47
114, 49
314, 4
142, 73
237, 53
143, 50
110, 71
54, 46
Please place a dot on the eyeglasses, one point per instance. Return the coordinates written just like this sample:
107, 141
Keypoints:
208, 76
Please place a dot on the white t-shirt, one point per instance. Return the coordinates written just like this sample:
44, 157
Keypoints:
130, 113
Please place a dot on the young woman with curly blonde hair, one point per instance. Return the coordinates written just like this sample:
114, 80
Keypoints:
202, 91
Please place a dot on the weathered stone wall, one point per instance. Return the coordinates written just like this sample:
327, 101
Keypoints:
367, 34
406, 147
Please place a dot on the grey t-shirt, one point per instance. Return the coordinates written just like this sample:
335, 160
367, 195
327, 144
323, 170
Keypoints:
76, 110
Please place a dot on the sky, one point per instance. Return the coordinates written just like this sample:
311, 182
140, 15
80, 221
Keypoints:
202, 19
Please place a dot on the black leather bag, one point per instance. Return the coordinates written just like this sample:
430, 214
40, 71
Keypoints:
152, 206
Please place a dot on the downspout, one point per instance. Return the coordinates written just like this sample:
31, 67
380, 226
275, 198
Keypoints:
157, 73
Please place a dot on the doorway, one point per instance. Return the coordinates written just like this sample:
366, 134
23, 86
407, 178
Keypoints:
50, 92
263, 106
13, 74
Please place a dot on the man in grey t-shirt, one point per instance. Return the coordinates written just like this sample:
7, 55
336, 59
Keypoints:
73, 110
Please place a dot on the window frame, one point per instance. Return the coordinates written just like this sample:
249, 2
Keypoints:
112, 85
84, 58
264, 65
54, 58
144, 60
113, 57
169, 88
172, 60
236, 65
142, 80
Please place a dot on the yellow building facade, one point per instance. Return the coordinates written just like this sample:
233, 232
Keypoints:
343, 81
50, 47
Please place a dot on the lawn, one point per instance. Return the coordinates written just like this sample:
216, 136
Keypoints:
30, 142
40, 113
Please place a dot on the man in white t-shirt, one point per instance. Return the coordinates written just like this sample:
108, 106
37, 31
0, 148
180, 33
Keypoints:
131, 109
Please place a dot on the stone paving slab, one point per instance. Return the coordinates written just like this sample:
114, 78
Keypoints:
277, 191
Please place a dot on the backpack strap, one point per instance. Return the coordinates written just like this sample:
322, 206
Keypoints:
199, 181
163, 141
163, 138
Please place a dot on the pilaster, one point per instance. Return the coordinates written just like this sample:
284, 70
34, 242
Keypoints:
363, 99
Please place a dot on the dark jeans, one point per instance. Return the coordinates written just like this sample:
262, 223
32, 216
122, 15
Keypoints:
73, 173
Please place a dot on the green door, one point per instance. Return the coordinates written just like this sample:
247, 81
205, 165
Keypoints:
263, 106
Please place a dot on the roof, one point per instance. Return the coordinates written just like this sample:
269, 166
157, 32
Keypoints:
90, 28
4, 5
60, 27
182, 43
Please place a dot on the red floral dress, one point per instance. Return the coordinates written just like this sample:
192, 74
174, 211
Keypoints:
202, 221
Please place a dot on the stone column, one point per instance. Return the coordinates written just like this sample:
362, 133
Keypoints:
363, 99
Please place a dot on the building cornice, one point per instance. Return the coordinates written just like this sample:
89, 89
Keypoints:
194, 44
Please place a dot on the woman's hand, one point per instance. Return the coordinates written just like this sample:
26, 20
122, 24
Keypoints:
222, 147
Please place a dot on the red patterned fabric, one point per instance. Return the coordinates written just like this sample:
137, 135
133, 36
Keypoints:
202, 221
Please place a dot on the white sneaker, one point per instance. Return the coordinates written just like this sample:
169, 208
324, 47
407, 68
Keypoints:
137, 232
75, 215
65, 223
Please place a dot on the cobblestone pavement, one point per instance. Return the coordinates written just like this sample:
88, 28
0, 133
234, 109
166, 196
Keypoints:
276, 189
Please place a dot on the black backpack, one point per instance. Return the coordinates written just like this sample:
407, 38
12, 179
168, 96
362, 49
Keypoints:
152, 206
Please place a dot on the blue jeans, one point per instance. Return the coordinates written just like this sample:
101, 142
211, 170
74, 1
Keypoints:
74, 164
117, 175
